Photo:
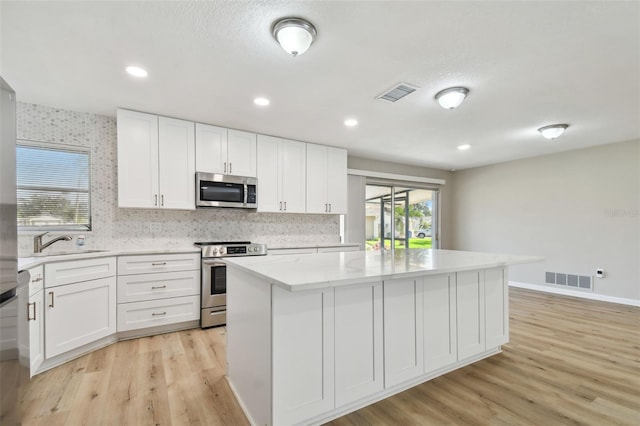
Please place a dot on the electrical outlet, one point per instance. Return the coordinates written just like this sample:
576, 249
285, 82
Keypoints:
155, 227
599, 273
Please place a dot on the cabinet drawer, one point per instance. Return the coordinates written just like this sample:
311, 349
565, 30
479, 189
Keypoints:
135, 315
36, 282
136, 288
75, 271
144, 264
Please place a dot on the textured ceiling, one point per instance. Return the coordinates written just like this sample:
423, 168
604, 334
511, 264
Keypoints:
527, 64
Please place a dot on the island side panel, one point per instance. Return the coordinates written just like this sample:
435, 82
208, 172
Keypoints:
249, 343
496, 290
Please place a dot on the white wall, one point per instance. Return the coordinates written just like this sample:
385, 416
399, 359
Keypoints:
578, 209
129, 228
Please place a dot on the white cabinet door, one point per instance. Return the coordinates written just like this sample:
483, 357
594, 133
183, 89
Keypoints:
440, 347
177, 164
241, 153
470, 313
337, 180
317, 201
303, 354
35, 317
137, 159
358, 342
211, 149
78, 314
496, 291
268, 174
403, 334
293, 168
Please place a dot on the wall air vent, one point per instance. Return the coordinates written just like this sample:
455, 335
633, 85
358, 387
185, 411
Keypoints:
397, 92
571, 280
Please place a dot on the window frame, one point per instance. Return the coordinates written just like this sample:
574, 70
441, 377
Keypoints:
53, 146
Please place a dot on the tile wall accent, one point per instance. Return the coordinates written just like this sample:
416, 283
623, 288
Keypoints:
131, 228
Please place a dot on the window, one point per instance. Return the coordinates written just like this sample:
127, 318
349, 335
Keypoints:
400, 217
53, 187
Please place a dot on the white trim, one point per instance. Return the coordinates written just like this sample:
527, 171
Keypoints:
393, 176
581, 294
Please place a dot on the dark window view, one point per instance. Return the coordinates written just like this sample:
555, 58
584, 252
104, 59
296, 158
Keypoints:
53, 188
400, 216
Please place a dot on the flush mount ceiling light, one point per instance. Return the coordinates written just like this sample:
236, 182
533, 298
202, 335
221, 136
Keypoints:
261, 101
464, 147
136, 71
452, 97
553, 131
350, 122
295, 35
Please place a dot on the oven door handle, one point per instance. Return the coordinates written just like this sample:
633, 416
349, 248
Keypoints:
213, 263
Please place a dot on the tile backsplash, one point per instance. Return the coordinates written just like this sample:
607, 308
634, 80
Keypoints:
115, 228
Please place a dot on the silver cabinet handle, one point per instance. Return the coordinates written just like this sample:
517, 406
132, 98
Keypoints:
51, 294
29, 311
156, 287
37, 280
285, 206
280, 205
158, 314
326, 208
162, 200
329, 207
225, 167
155, 199
158, 263
230, 167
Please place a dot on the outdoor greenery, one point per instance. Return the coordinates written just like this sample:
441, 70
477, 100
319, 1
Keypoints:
413, 243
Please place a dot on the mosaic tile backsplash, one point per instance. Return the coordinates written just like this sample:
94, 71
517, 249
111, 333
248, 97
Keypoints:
115, 228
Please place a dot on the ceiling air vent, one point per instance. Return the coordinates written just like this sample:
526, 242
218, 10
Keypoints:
397, 92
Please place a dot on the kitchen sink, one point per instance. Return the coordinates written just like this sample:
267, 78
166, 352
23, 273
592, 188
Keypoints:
64, 253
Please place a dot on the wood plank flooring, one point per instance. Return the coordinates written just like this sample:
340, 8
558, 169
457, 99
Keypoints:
569, 361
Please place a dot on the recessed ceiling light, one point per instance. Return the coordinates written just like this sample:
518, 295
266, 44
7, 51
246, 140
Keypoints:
553, 131
261, 101
350, 122
452, 97
464, 147
136, 71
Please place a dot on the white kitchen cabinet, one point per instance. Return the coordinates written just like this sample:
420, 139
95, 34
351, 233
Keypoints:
281, 175
496, 291
158, 290
470, 311
439, 303
403, 330
358, 342
156, 161
73, 271
225, 151
326, 179
303, 354
35, 318
78, 314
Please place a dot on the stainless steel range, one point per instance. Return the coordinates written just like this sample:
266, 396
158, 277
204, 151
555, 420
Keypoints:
214, 277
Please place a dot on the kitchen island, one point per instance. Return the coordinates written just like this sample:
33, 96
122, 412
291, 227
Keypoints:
313, 337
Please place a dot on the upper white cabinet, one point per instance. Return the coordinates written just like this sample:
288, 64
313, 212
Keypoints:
225, 151
281, 175
156, 161
326, 179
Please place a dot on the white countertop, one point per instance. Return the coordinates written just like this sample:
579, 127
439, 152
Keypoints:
31, 262
309, 271
310, 245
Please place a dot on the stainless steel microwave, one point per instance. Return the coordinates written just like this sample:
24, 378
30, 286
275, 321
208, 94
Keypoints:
216, 190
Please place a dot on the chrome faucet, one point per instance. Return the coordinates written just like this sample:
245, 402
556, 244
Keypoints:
38, 246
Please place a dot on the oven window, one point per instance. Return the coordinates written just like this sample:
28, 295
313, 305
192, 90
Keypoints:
218, 280
222, 191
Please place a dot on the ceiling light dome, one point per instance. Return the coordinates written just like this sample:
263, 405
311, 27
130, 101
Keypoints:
452, 97
553, 131
295, 35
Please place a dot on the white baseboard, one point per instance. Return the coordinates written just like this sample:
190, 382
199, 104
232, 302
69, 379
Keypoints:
574, 293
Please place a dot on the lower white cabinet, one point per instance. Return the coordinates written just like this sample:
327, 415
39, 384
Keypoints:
403, 330
470, 313
439, 304
78, 314
303, 354
496, 296
358, 342
157, 290
151, 313
35, 318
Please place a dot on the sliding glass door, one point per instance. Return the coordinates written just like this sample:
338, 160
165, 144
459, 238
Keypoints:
400, 217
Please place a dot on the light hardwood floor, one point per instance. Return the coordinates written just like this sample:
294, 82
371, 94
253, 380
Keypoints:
569, 361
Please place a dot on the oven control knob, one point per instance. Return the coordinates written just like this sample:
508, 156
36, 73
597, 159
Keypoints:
221, 250
214, 250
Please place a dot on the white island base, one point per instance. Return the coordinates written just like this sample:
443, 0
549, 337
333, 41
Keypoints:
309, 348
